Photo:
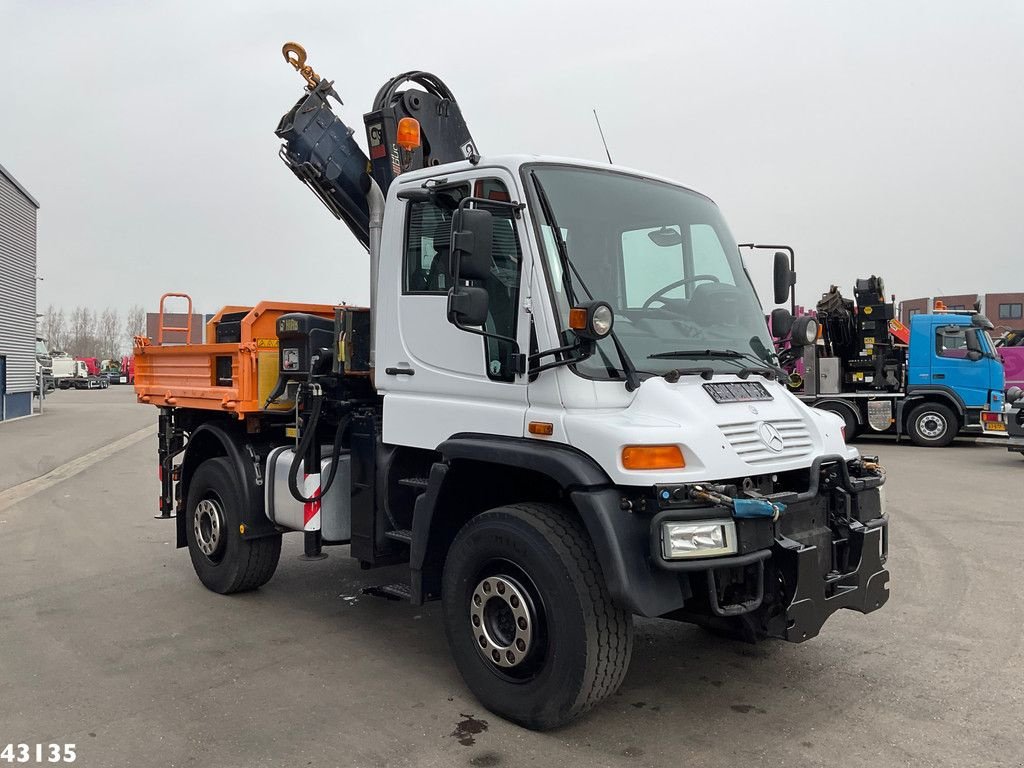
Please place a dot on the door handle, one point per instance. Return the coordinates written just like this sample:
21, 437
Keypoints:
399, 371
938, 375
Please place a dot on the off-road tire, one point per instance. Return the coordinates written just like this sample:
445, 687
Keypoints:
941, 417
238, 565
587, 640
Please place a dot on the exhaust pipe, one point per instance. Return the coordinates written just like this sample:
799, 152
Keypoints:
375, 204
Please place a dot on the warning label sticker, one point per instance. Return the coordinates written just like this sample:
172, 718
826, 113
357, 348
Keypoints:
266, 343
376, 136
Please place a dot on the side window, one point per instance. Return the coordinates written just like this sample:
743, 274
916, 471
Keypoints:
503, 283
951, 341
427, 247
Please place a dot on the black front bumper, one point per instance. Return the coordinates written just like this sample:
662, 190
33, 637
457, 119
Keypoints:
826, 552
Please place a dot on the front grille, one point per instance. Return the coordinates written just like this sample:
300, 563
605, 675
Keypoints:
745, 439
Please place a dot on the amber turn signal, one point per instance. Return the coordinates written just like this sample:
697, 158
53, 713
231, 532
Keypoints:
652, 457
545, 428
408, 137
577, 318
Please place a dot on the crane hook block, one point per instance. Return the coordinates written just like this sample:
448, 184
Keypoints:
295, 55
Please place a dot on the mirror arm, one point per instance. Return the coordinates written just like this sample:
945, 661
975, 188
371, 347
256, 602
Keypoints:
554, 351
516, 206
518, 358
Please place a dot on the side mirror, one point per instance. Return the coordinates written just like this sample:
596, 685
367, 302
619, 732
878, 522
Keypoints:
784, 277
472, 231
974, 355
467, 305
782, 323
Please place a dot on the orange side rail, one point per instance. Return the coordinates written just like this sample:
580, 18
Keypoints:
188, 325
186, 375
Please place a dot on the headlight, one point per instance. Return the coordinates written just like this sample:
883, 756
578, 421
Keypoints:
602, 320
805, 331
701, 538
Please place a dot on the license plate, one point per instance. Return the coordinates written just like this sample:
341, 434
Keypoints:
995, 426
737, 392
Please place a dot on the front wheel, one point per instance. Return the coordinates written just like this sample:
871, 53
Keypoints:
932, 425
528, 616
223, 560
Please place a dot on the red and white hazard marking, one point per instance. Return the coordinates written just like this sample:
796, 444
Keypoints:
311, 509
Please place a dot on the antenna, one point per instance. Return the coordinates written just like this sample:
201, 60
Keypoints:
603, 141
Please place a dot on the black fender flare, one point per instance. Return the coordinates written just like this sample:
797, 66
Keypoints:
620, 538
209, 441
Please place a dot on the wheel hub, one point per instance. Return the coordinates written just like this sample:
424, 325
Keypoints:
501, 621
931, 424
207, 524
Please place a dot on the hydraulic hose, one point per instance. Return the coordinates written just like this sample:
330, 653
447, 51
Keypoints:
308, 435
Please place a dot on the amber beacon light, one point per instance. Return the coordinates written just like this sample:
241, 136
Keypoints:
408, 135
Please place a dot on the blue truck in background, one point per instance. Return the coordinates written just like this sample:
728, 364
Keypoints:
937, 379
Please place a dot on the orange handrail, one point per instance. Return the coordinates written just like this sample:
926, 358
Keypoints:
188, 325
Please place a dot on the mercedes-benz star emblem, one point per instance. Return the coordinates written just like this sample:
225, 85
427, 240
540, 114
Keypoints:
770, 437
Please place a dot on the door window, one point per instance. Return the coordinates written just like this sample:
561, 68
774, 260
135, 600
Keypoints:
426, 264
428, 234
951, 342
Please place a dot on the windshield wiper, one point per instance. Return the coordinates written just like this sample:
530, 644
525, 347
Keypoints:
632, 375
724, 354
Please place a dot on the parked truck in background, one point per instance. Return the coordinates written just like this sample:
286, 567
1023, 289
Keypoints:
1010, 347
44, 367
118, 371
92, 365
72, 373
931, 381
559, 411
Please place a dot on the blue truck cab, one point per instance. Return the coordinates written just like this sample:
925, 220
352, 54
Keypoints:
952, 361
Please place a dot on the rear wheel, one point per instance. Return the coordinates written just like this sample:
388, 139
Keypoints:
932, 425
223, 560
529, 619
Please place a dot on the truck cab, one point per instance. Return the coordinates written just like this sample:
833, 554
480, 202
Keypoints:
952, 356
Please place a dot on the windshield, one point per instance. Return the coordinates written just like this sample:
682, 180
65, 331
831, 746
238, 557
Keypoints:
664, 259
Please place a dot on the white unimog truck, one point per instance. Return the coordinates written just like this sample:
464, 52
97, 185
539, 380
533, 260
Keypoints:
561, 410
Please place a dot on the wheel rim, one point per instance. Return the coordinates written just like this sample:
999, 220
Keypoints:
208, 526
931, 425
506, 622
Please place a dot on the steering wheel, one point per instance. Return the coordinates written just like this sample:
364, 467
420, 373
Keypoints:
656, 296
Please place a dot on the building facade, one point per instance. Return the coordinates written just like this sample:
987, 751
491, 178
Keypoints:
1005, 310
17, 297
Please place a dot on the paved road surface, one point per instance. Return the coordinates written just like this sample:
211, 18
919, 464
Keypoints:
108, 641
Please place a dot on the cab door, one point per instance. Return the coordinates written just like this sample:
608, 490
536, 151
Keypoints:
438, 380
953, 367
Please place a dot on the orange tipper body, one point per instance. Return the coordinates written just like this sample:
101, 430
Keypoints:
193, 375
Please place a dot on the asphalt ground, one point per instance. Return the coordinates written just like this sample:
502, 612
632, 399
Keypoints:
108, 641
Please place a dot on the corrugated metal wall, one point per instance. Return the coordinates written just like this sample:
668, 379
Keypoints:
17, 286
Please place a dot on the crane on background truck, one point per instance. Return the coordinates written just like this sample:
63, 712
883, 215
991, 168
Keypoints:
931, 381
559, 411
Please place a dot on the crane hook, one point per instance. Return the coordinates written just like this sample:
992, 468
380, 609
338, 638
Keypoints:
295, 55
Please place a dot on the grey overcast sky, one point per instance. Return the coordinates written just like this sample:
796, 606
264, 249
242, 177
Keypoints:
874, 137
